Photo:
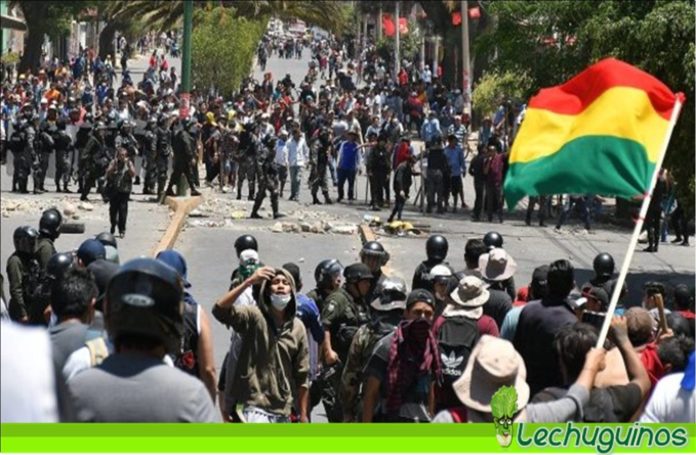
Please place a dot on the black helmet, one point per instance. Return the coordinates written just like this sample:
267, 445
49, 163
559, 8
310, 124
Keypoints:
436, 247
49, 224
25, 238
58, 264
374, 248
493, 240
106, 239
326, 271
245, 242
145, 297
356, 272
603, 265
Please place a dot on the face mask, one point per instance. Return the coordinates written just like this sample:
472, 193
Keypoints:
417, 330
280, 301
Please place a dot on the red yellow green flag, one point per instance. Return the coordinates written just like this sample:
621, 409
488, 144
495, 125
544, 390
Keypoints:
602, 132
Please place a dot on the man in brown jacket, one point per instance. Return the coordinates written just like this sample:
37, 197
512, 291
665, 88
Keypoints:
271, 378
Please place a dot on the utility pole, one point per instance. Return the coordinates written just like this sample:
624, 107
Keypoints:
379, 24
397, 59
185, 89
466, 59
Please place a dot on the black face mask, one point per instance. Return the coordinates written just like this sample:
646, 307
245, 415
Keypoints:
416, 331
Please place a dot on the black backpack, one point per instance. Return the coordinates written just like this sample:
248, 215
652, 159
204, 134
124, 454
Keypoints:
456, 338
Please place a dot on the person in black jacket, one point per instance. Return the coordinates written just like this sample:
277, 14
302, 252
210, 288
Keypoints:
476, 171
438, 168
403, 178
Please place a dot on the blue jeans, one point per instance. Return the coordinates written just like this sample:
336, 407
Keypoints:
343, 175
295, 180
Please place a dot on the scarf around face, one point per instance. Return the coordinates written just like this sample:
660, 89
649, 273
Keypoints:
413, 353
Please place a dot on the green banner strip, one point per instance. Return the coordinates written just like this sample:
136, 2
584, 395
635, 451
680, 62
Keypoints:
385, 438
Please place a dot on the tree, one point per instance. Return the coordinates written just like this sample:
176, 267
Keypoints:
50, 18
223, 48
494, 87
552, 41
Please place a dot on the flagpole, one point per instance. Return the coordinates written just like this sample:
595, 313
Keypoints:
639, 225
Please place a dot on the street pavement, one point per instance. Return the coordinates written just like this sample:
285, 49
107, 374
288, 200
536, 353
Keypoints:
209, 250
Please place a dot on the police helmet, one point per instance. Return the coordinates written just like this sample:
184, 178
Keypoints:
58, 264
603, 265
245, 242
50, 222
25, 238
493, 240
326, 271
145, 298
436, 248
374, 248
107, 238
357, 272
391, 295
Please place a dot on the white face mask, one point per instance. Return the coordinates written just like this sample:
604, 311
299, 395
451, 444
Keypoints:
280, 301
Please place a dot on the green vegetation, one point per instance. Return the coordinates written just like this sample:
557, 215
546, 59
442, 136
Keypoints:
495, 86
223, 49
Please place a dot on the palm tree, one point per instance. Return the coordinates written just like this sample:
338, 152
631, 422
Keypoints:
162, 15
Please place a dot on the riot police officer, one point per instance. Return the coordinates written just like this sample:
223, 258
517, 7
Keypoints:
436, 248
23, 272
63, 145
378, 166
164, 151
21, 144
49, 230
248, 148
319, 156
343, 313
43, 148
57, 265
327, 276
184, 147
267, 172
374, 256
95, 158
438, 168
81, 140
148, 147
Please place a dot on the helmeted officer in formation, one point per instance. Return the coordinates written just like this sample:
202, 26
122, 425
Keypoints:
64, 151
49, 230
387, 310
319, 156
343, 313
81, 140
22, 147
94, 160
378, 165
147, 141
164, 151
436, 248
327, 275
248, 149
438, 168
44, 147
184, 148
267, 173
23, 272
374, 256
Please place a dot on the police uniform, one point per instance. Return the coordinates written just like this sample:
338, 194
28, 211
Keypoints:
147, 141
81, 139
247, 162
267, 172
95, 158
437, 170
64, 156
44, 147
184, 147
320, 153
22, 147
44, 250
164, 151
378, 168
23, 273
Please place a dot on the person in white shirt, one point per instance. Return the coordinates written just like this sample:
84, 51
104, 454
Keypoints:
427, 75
266, 128
281, 158
298, 152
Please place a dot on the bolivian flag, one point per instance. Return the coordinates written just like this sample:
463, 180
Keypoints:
602, 132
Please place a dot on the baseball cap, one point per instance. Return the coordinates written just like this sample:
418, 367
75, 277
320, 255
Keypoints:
176, 261
420, 295
90, 250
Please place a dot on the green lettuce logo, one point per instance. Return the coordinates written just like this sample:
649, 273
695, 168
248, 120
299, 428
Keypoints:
503, 408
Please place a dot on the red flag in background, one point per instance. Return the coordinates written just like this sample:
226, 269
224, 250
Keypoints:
388, 25
389, 28
456, 18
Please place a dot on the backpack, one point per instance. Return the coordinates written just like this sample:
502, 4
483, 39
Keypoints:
456, 338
